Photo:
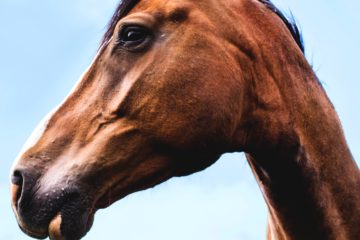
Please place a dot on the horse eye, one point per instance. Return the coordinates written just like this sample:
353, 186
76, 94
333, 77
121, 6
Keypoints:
133, 36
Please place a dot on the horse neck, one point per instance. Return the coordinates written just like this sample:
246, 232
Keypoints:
300, 158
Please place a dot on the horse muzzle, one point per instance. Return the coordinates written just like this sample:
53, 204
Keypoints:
60, 213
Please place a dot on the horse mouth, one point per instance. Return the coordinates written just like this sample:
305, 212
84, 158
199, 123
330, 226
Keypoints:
33, 233
61, 227
67, 217
39, 233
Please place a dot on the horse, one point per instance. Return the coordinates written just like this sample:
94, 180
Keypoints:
174, 85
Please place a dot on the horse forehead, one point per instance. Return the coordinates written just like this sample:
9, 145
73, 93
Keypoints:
173, 8
165, 5
207, 13
206, 5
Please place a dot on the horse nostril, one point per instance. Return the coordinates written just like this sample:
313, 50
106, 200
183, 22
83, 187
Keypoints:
17, 181
17, 178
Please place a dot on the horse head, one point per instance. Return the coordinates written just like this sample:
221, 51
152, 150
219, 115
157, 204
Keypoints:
168, 92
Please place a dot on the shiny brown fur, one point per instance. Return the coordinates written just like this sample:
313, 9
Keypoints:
217, 76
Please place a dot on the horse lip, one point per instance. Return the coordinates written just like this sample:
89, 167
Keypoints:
64, 207
44, 234
32, 233
26, 229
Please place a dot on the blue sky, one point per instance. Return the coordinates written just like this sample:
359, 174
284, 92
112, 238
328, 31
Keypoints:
46, 45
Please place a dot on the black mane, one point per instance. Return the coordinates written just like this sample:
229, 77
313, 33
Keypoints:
125, 7
289, 22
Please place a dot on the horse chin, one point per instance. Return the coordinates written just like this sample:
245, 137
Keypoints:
106, 200
62, 227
